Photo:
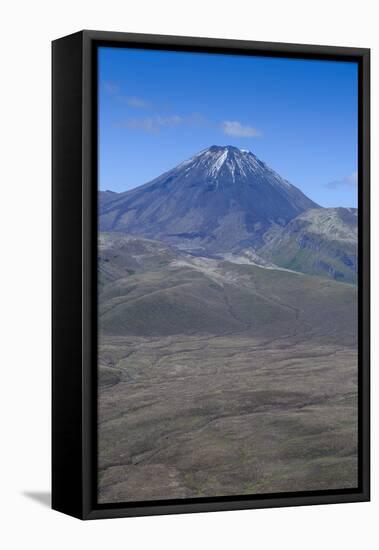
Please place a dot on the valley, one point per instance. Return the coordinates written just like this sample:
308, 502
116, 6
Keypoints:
218, 377
227, 315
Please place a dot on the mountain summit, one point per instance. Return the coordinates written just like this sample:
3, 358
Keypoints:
221, 199
228, 163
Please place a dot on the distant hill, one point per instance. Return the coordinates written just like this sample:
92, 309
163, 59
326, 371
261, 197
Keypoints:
151, 289
320, 241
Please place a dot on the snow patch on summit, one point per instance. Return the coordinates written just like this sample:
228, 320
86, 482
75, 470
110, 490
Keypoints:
220, 163
217, 164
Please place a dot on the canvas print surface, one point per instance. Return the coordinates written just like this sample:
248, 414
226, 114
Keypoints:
227, 275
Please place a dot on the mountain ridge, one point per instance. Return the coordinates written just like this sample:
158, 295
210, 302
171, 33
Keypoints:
220, 198
318, 241
225, 201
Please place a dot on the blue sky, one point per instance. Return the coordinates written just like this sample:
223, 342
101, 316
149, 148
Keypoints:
158, 108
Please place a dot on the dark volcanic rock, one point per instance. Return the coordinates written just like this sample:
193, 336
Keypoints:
221, 199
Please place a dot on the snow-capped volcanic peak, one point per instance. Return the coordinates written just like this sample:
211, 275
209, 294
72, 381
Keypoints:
227, 161
221, 198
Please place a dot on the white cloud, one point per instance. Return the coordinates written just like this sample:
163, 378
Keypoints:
153, 124
111, 88
347, 181
171, 120
114, 89
236, 129
146, 124
136, 102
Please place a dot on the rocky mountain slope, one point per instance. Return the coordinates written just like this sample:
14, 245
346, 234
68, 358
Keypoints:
225, 202
321, 241
223, 198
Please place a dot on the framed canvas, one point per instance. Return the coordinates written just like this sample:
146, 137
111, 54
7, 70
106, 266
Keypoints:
210, 275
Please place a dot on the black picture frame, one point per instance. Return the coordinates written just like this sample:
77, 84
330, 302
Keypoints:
74, 315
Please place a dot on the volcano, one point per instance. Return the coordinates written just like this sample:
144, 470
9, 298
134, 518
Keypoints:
221, 199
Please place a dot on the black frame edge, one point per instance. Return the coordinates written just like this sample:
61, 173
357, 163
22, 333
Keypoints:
365, 276
67, 99
220, 506
193, 42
